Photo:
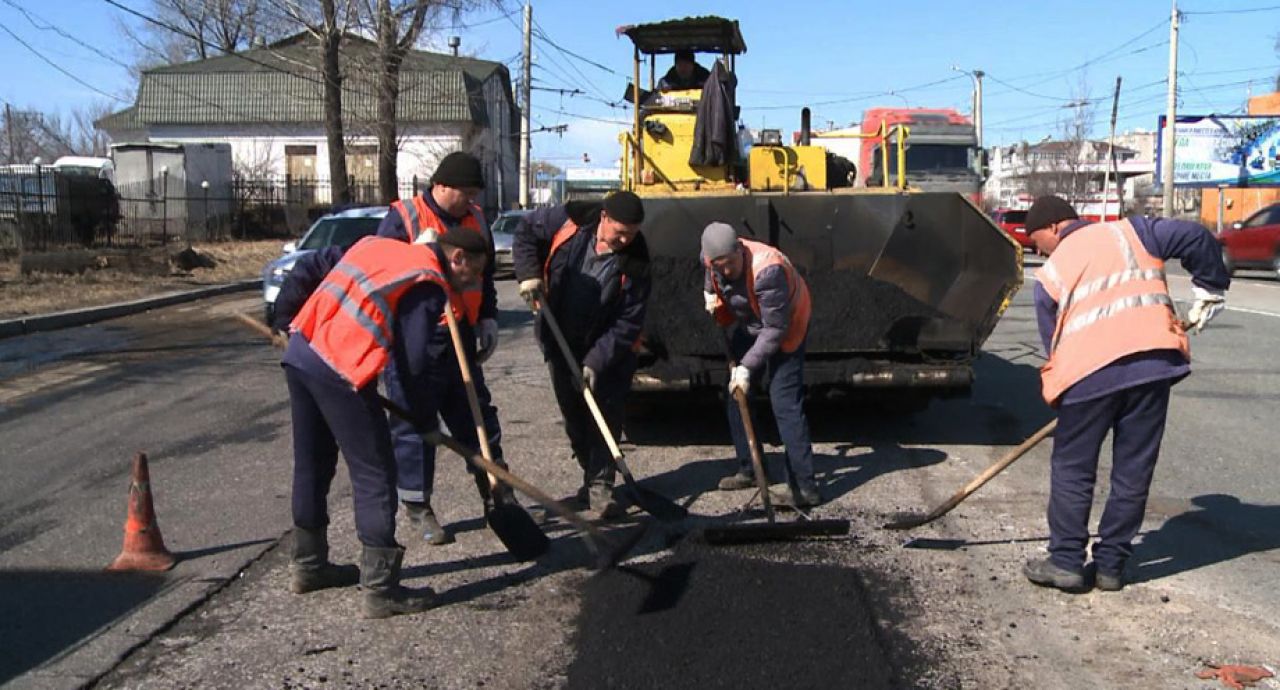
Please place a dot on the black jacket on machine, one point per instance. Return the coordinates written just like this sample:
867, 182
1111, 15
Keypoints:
715, 134
613, 328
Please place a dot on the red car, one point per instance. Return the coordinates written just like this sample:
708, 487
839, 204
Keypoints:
1014, 223
1255, 243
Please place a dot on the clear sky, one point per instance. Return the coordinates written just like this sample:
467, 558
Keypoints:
838, 57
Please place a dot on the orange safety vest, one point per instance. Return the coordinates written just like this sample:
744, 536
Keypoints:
1112, 302
558, 240
348, 319
423, 225
763, 256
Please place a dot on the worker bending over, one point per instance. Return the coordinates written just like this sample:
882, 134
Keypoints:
1115, 346
589, 265
380, 302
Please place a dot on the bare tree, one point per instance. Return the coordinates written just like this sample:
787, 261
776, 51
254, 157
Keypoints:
186, 30
329, 27
1077, 148
29, 134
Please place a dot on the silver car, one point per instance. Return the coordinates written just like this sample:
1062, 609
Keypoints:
341, 229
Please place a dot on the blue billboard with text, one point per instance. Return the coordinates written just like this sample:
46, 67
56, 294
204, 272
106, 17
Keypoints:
1214, 150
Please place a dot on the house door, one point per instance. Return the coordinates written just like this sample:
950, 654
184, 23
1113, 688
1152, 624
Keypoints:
300, 173
362, 170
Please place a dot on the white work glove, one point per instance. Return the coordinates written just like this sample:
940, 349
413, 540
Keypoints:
739, 380
589, 378
487, 335
531, 291
709, 302
1207, 305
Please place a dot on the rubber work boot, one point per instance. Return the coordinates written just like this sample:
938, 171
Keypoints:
380, 580
806, 495
1109, 582
739, 481
603, 503
1045, 573
311, 569
423, 519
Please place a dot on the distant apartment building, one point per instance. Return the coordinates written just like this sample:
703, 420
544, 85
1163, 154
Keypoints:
1074, 170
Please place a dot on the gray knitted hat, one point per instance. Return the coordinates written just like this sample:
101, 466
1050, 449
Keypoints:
718, 239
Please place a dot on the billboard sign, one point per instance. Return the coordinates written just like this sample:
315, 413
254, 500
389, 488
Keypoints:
1212, 150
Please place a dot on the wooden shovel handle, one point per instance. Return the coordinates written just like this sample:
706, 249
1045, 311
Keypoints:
469, 383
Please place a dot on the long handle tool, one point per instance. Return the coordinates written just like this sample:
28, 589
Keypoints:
772, 530
508, 520
650, 501
911, 520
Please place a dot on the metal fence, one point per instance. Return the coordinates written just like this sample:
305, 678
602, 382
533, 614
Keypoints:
43, 210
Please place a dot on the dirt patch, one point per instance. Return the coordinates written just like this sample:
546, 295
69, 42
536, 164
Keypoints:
42, 293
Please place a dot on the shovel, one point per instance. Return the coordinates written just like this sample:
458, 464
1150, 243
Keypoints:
911, 520
649, 501
513, 525
772, 530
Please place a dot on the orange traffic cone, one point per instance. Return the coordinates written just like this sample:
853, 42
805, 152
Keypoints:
143, 546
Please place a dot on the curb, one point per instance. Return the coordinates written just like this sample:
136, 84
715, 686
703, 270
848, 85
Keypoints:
80, 317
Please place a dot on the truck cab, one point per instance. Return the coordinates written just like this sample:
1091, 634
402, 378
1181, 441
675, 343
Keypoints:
942, 153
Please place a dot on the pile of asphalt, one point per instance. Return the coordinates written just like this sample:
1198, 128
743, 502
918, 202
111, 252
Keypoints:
720, 621
851, 311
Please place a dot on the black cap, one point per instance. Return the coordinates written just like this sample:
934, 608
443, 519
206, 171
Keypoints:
1047, 210
465, 239
459, 170
684, 55
624, 207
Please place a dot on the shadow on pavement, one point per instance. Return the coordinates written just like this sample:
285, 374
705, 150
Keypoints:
213, 550
44, 613
1222, 528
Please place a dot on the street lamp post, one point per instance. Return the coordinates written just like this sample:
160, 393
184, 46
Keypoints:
976, 75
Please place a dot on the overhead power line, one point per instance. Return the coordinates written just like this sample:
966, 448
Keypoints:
60, 68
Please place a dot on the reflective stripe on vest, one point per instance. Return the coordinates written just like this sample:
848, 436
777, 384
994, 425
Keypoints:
348, 319
763, 256
1112, 302
423, 226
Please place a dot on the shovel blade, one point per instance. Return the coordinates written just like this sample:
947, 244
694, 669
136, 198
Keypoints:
903, 521
517, 531
657, 505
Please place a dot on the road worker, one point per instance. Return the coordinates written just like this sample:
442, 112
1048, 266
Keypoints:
448, 203
589, 265
1115, 347
380, 302
685, 73
754, 289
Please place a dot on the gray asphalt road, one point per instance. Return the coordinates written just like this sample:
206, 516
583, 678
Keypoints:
205, 398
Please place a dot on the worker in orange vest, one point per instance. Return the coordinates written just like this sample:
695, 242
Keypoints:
754, 285
1115, 347
449, 202
349, 316
588, 264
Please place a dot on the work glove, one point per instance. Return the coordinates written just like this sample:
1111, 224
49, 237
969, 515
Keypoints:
739, 380
589, 378
487, 334
531, 292
1206, 306
709, 302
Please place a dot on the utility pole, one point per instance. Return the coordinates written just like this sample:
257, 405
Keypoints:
1111, 159
525, 117
8, 124
1170, 116
977, 104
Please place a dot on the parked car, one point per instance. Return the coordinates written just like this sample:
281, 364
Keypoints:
1253, 243
503, 231
336, 229
1014, 223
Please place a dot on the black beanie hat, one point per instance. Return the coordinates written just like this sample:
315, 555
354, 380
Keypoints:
459, 170
624, 207
684, 55
467, 240
1047, 210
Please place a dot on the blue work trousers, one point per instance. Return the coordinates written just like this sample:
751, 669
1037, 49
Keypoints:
327, 416
1136, 418
415, 458
589, 447
784, 372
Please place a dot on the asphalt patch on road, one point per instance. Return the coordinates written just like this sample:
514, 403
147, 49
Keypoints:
721, 621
